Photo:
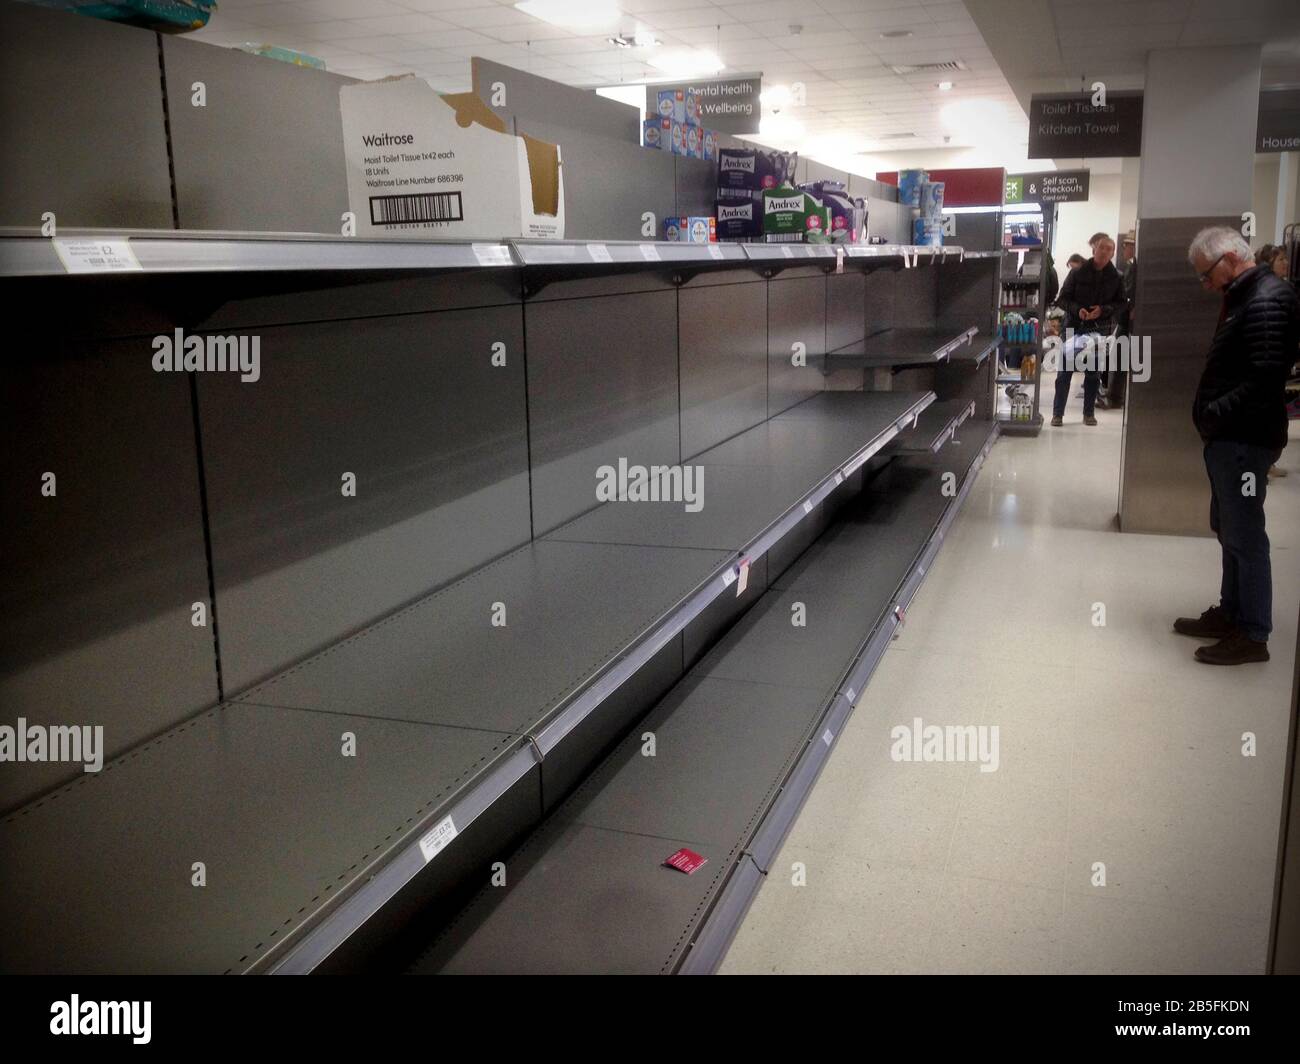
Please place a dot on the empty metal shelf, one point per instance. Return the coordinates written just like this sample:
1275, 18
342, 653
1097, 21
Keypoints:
737, 745
936, 426
105, 871
900, 347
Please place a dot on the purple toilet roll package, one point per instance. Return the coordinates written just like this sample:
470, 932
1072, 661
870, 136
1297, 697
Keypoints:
740, 219
848, 215
750, 170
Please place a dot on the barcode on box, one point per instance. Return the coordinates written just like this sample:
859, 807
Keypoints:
418, 207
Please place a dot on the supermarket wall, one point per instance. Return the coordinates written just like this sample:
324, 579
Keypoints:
1076, 222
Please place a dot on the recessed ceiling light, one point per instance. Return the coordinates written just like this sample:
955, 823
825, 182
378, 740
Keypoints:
686, 64
945, 86
641, 40
893, 35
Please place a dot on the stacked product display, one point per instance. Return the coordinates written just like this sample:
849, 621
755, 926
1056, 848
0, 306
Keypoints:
925, 197
676, 127
758, 200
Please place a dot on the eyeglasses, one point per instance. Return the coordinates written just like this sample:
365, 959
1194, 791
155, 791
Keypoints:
1205, 277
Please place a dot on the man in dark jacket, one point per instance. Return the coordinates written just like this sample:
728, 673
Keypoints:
1092, 298
1240, 412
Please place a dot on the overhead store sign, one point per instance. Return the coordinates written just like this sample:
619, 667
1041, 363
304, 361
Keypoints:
1070, 126
730, 106
1050, 186
1278, 128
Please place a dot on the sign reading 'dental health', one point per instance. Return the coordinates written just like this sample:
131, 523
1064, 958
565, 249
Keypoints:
729, 106
1051, 186
1070, 126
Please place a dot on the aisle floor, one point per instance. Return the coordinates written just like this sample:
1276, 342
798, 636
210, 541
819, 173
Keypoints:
1118, 753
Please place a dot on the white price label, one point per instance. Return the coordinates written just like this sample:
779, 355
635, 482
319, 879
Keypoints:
492, 254
729, 578
839, 478
437, 838
839, 260
91, 255
599, 253
786, 251
715, 251
827, 737
850, 694
807, 506
743, 581
650, 253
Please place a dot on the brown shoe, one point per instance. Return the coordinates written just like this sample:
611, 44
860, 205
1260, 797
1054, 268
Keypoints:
1090, 420
1212, 624
1236, 649
1058, 421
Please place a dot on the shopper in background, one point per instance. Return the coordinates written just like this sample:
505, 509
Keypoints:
1113, 397
1274, 257
1053, 282
1240, 412
1092, 298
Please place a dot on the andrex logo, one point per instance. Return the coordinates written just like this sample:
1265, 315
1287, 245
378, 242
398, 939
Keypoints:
728, 213
132, 1018
772, 204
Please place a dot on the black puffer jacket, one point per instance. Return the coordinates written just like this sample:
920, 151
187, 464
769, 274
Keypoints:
1088, 287
1242, 394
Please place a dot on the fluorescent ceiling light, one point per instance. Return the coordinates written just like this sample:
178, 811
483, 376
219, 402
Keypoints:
945, 86
781, 131
775, 97
574, 14
686, 64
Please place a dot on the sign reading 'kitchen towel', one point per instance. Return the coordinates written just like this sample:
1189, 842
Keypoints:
1070, 126
729, 106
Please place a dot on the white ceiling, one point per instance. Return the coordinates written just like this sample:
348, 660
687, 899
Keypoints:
1080, 41
854, 101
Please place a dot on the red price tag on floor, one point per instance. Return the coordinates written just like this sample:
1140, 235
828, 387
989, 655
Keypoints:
687, 861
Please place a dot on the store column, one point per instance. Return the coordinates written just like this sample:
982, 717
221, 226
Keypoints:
1198, 157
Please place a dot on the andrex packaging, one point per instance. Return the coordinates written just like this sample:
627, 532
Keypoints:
792, 214
750, 170
848, 216
739, 219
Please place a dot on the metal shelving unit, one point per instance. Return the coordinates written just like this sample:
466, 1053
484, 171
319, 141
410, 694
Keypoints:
1023, 277
463, 729
737, 761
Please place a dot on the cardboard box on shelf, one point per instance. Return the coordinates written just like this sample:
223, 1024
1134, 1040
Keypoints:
693, 230
694, 137
659, 133
693, 116
419, 163
672, 104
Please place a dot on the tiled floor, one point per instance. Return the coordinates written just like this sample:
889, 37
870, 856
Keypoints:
1116, 749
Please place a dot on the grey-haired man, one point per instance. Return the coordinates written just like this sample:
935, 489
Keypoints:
1240, 412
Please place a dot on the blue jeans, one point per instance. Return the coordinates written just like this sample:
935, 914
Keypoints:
1237, 517
1065, 375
